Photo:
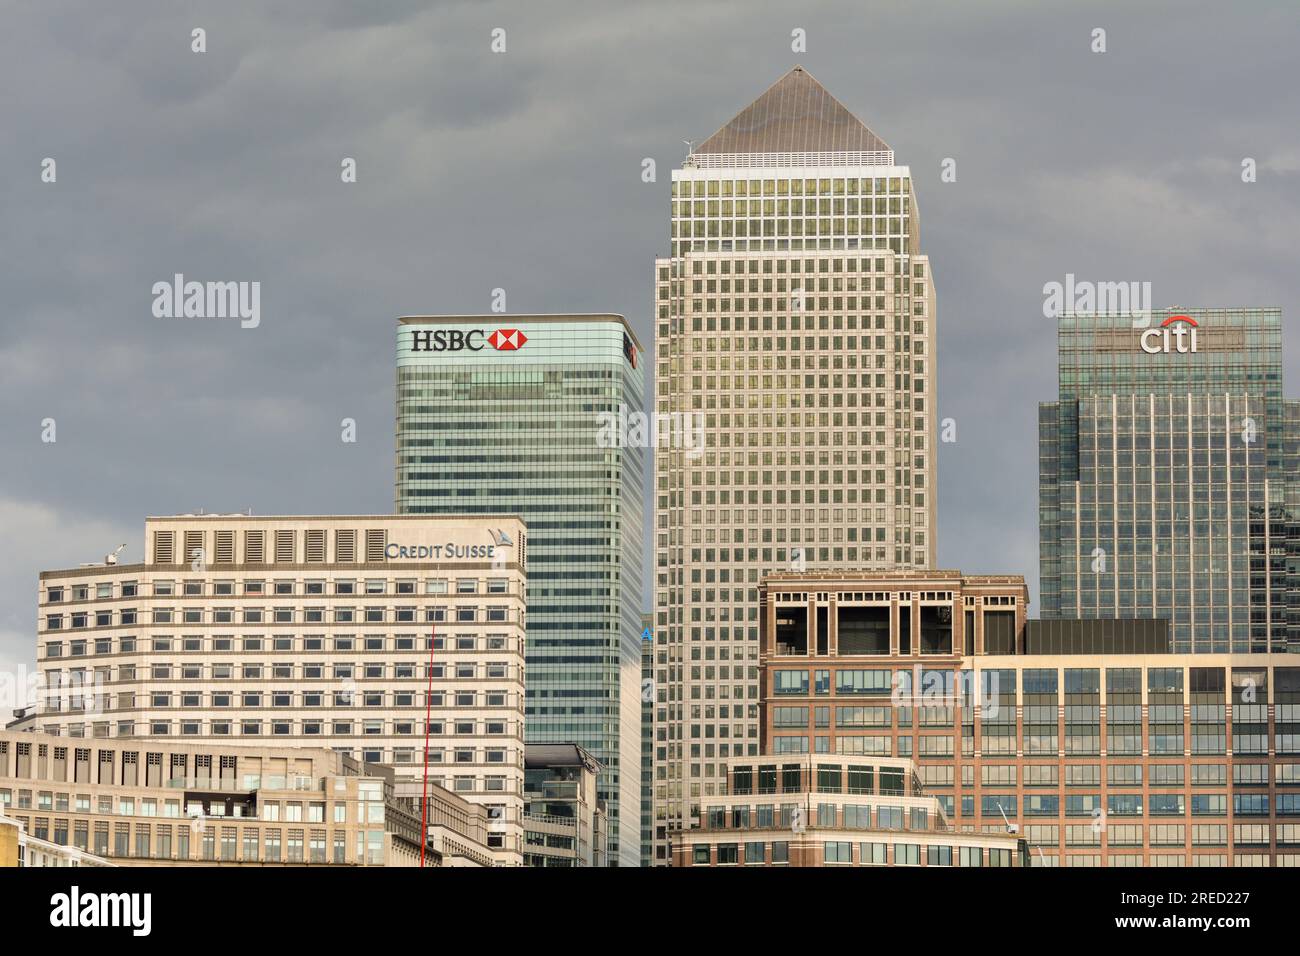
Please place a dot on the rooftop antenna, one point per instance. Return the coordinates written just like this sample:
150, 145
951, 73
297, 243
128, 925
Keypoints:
112, 558
690, 148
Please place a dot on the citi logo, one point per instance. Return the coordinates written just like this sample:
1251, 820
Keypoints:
1175, 334
454, 340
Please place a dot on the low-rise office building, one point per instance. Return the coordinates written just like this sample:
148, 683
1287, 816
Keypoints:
1090, 737
804, 810
564, 818
146, 802
18, 848
337, 632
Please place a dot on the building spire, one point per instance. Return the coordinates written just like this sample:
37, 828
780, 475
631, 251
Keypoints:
795, 114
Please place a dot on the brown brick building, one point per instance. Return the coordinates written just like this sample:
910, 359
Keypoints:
1089, 738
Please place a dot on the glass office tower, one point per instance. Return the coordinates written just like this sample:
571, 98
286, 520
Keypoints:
1168, 478
508, 415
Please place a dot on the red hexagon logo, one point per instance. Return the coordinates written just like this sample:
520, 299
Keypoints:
507, 340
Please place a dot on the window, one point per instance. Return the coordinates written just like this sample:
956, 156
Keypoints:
889, 818
872, 854
938, 855
791, 682
1250, 804
998, 805
907, 854
829, 778
837, 851
1210, 804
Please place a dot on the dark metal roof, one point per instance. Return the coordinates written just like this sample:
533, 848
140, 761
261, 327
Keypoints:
1097, 636
795, 115
537, 756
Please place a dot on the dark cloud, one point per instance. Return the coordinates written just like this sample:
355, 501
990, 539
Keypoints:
522, 171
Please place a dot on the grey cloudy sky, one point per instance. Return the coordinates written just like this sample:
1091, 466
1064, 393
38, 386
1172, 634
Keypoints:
522, 171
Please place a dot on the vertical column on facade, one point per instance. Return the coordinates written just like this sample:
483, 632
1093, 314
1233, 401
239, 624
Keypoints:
832, 625
894, 616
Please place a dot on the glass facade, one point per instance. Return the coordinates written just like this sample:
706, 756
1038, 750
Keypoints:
1187, 780
1168, 479
515, 426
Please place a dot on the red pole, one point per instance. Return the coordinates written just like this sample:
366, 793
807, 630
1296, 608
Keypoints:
424, 792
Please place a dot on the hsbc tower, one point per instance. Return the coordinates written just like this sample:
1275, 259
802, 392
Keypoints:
502, 414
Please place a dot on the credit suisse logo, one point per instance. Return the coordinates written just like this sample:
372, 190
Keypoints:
475, 340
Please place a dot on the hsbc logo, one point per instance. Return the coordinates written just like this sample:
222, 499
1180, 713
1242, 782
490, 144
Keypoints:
1175, 334
454, 340
507, 340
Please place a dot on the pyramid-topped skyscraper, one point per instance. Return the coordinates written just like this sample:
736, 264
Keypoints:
795, 115
795, 323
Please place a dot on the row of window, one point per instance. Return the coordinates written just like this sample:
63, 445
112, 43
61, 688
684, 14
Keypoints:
212, 843
1164, 834
280, 615
997, 686
286, 728
830, 778
848, 816
1160, 742
780, 187
865, 854
1043, 775
85, 699
311, 811
1165, 859
197, 587
279, 642
888, 206
464, 670
1117, 775
680, 249
1133, 804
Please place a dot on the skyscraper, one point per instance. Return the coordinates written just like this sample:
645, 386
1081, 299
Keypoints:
1168, 478
509, 415
795, 316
